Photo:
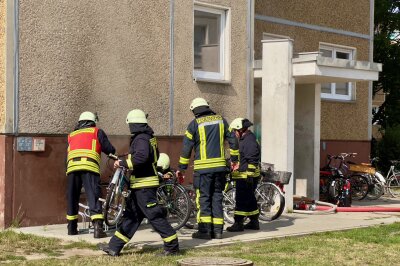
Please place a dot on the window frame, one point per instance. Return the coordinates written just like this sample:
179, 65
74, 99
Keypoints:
351, 85
224, 39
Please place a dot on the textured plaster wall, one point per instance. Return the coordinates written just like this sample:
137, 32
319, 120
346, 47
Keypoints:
339, 120
339, 14
228, 100
113, 56
108, 56
3, 8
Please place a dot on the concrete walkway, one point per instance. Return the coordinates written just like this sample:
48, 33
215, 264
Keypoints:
288, 225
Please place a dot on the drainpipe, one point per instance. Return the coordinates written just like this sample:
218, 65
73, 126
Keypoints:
16, 68
171, 71
371, 60
250, 55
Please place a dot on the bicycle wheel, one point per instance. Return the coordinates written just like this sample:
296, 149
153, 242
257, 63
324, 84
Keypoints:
359, 187
114, 205
270, 201
229, 204
393, 184
376, 191
175, 199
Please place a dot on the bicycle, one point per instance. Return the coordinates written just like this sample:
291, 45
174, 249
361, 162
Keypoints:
336, 182
175, 199
269, 194
393, 179
117, 192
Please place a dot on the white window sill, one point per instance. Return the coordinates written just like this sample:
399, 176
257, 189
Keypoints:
337, 100
218, 81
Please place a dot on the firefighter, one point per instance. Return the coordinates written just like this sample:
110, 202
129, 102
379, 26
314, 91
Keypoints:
206, 135
85, 145
142, 202
246, 177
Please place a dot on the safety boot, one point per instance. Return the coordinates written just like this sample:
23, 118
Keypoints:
98, 229
106, 248
252, 225
72, 227
204, 232
236, 227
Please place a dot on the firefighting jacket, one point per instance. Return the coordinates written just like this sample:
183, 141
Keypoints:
249, 155
84, 149
206, 135
142, 158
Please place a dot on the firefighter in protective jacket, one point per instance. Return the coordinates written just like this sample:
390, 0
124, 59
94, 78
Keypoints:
142, 202
206, 135
246, 177
85, 145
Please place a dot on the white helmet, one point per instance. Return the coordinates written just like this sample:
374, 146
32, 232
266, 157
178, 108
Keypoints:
198, 102
89, 116
136, 116
237, 123
163, 161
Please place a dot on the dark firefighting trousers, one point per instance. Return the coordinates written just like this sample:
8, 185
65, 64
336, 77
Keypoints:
142, 203
209, 187
91, 184
246, 203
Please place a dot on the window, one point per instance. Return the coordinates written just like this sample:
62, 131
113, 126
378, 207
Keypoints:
337, 91
210, 43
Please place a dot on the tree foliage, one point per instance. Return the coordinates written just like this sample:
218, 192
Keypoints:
387, 52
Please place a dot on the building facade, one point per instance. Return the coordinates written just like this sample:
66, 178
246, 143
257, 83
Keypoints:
58, 59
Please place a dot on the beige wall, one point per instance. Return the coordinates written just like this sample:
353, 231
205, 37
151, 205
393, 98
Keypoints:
339, 14
229, 100
339, 120
2, 61
104, 56
113, 56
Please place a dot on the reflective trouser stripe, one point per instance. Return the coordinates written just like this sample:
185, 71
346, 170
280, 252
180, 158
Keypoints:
218, 220
151, 204
205, 219
72, 217
97, 217
170, 238
122, 237
247, 213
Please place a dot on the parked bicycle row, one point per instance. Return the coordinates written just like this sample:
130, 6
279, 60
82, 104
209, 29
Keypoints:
342, 180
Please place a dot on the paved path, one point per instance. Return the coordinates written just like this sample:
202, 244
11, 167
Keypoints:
288, 225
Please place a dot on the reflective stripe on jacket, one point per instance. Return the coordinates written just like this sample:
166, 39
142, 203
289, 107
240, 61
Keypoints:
249, 156
142, 160
206, 134
84, 151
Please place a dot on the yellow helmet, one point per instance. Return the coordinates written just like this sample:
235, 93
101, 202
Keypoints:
163, 161
198, 102
136, 116
237, 123
89, 116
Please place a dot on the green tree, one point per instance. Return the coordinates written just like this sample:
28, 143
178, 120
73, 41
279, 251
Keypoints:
387, 52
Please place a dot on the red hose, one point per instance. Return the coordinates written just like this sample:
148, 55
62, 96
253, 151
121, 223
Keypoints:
360, 209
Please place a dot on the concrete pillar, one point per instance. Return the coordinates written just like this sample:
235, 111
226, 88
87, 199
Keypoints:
277, 118
307, 139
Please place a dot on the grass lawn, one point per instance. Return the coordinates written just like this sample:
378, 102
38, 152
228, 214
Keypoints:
379, 245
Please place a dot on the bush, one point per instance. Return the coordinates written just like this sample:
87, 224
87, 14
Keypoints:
389, 148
